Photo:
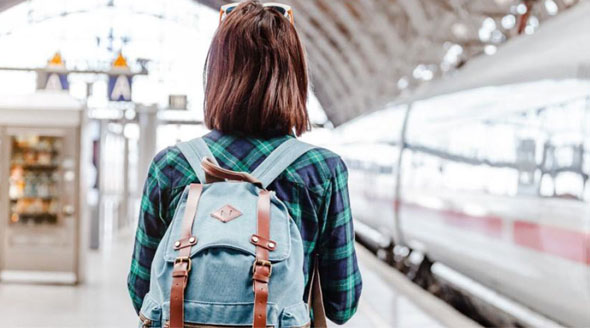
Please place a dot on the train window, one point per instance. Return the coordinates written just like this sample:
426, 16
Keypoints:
565, 165
532, 151
469, 153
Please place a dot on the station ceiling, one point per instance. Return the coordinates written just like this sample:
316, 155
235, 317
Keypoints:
364, 54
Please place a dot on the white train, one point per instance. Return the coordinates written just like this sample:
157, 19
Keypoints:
493, 182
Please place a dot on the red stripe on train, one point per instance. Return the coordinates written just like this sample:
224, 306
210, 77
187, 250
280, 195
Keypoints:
568, 244
488, 225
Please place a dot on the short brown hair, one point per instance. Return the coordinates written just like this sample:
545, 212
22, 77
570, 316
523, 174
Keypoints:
256, 75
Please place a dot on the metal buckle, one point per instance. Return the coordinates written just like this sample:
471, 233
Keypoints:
262, 263
184, 259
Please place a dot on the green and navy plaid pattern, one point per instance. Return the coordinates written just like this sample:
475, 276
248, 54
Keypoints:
314, 188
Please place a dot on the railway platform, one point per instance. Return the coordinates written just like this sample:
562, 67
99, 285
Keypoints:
388, 299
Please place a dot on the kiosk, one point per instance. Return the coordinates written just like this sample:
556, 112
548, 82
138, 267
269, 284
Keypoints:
40, 193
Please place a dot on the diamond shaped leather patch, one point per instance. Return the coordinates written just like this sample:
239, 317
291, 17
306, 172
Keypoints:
226, 213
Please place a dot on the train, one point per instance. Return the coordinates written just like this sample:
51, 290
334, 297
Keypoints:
488, 178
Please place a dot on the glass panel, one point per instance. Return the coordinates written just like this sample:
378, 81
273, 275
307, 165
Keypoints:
34, 180
529, 152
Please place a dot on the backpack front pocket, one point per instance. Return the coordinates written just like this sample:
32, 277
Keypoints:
205, 314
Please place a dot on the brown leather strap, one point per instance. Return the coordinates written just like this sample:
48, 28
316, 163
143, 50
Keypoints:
315, 298
214, 173
196, 325
182, 264
262, 268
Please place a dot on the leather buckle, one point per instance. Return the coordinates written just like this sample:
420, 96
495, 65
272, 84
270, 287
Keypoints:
180, 260
259, 262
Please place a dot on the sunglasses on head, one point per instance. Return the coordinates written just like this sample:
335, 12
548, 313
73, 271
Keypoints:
283, 9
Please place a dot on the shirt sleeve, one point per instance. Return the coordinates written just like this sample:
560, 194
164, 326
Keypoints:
338, 267
151, 228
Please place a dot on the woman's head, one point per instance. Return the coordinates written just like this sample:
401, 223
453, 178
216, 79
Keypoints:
256, 75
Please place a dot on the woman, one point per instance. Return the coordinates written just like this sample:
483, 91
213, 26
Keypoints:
255, 99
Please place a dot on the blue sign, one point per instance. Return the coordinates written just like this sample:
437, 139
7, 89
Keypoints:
56, 81
120, 87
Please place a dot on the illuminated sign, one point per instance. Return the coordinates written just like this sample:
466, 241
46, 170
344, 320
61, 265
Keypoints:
119, 87
56, 77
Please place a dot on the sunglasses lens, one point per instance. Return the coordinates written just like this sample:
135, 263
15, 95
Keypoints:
281, 10
230, 9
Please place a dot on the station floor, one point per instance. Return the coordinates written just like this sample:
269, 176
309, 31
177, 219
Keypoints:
388, 300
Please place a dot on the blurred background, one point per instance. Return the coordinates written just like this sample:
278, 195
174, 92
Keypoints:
465, 126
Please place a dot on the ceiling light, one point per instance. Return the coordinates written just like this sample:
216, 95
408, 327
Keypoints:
460, 30
497, 37
402, 83
423, 72
490, 49
533, 21
484, 34
508, 21
551, 7
452, 55
489, 23
521, 9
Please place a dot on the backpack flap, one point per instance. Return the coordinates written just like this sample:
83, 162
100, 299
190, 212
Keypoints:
214, 229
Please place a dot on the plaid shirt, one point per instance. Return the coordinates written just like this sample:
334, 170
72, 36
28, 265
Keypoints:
314, 188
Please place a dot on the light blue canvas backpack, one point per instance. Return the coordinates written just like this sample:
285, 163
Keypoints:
232, 255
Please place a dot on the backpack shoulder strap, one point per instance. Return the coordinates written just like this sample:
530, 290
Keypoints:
283, 156
195, 151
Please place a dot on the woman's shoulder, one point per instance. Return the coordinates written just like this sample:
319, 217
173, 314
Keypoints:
172, 167
170, 155
318, 164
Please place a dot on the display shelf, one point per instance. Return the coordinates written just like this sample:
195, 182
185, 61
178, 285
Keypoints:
44, 167
45, 198
33, 180
20, 149
36, 218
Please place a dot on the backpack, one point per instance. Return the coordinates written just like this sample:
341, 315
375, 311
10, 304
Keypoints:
232, 255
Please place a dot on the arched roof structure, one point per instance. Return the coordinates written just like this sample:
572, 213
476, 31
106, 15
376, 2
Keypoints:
365, 53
